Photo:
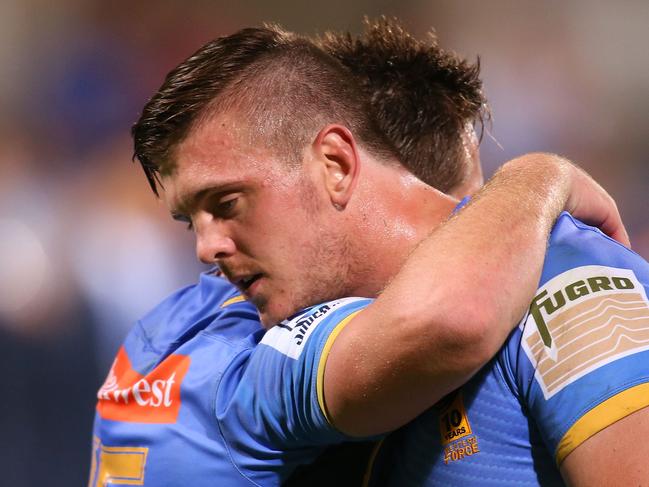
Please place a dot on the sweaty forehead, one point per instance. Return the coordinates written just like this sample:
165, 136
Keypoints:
213, 133
215, 154
213, 142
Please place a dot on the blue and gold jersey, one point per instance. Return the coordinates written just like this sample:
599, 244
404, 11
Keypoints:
578, 362
200, 395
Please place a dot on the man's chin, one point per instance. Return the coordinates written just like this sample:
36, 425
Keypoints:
270, 317
267, 322
267, 318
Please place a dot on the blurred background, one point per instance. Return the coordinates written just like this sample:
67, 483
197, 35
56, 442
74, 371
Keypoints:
85, 248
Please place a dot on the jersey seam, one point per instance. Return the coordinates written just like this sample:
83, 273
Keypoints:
241, 343
226, 442
142, 334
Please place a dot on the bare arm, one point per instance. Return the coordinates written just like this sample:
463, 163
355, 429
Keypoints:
616, 455
458, 296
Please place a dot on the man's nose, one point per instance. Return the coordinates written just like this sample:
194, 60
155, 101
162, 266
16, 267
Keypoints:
213, 241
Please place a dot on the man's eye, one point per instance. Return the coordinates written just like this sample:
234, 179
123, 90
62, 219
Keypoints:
226, 207
183, 219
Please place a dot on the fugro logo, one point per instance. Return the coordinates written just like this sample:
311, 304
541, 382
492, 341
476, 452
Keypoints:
544, 304
583, 319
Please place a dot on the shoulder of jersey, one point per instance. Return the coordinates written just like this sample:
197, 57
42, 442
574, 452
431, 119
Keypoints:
568, 227
194, 308
591, 306
573, 243
290, 336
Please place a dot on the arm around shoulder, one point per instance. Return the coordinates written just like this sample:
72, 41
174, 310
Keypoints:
455, 300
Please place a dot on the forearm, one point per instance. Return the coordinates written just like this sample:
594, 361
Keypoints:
492, 253
484, 263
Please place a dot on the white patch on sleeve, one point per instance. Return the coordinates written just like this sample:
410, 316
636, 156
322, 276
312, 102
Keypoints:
583, 319
290, 336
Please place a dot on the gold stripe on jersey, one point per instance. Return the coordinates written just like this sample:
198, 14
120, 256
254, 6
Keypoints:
602, 416
323, 360
236, 299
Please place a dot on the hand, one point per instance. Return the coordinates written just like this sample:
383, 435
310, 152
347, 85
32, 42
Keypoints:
590, 203
579, 194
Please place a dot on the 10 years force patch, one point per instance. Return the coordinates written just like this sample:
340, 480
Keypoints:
584, 319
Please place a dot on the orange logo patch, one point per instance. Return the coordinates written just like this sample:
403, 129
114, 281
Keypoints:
453, 421
456, 435
129, 396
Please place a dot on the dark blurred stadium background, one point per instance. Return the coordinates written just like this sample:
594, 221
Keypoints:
85, 248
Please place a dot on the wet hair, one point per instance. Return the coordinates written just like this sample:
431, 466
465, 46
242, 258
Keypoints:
284, 86
422, 97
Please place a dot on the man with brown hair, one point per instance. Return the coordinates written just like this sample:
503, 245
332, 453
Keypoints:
426, 100
264, 144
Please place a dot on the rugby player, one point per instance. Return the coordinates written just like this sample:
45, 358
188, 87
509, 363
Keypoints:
254, 395
569, 386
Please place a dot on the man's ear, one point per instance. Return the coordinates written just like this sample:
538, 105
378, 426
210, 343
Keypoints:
335, 151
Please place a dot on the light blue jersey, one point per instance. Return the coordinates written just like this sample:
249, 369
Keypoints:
199, 395
577, 363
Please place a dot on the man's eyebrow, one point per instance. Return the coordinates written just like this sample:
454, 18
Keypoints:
186, 204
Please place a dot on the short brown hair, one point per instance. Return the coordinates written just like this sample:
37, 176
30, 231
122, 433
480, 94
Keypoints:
422, 97
276, 78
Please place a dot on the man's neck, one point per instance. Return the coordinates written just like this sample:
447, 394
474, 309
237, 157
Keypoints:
391, 225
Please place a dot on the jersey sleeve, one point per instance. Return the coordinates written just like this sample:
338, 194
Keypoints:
278, 399
582, 358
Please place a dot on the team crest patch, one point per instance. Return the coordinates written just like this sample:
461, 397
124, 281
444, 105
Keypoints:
456, 435
290, 336
582, 320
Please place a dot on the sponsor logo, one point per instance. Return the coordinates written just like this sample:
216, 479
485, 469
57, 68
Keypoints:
584, 319
129, 396
289, 336
304, 323
461, 449
456, 435
453, 421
